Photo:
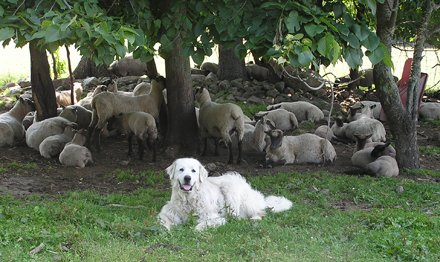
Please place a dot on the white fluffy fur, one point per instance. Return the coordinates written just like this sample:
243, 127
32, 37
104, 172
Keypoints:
304, 111
11, 127
366, 126
211, 198
74, 153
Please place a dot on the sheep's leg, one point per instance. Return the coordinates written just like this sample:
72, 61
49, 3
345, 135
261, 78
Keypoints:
98, 138
154, 145
205, 149
141, 149
231, 157
130, 145
216, 142
240, 146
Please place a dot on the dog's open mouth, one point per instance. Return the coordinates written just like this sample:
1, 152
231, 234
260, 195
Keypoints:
186, 188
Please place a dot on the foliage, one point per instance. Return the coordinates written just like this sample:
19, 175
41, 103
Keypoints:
299, 32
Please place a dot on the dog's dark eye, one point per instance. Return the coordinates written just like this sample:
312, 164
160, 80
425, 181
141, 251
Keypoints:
193, 171
181, 170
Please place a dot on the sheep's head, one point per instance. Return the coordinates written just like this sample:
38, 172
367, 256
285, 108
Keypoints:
379, 150
276, 138
201, 95
28, 103
339, 121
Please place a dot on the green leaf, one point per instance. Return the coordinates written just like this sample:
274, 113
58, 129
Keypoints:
364, 32
6, 33
376, 55
372, 5
86, 27
46, 24
228, 45
52, 34
198, 56
2, 11
220, 26
339, 10
314, 29
352, 57
240, 51
53, 47
353, 41
372, 42
292, 22
293, 59
305, 58
343, 29
325, 45
120, 50
388, 61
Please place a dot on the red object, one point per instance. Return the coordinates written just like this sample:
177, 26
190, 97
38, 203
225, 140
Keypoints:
402, 85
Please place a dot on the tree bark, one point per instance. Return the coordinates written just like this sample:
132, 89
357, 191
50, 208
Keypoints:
43, 91
400, 120
230, 67
182, 129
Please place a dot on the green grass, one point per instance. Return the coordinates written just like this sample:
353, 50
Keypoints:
378, 224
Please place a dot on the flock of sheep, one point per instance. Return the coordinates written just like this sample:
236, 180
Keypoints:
68, 136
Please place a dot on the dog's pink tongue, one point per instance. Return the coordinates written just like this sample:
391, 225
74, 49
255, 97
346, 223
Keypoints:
186, 187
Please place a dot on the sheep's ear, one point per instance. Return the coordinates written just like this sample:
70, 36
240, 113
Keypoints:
373, 106
171, 169
203, 173
270, 123
362, 105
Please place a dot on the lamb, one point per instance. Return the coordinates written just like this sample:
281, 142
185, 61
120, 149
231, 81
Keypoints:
143, 88
113, 88
366, 111
254, 139
142, 126
11, 127
86, 102
304, 111
367, 155
209, 67
366, 126
325, 132
361, 143
282, 119
38, 131
83, 115
220, 121
257, 72
383, 166
375, 110
107, 104
338, 127
52, 146
429, 111
64, 97
74, 153
305, 148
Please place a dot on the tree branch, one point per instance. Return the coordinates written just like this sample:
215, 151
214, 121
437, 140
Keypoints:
16, 10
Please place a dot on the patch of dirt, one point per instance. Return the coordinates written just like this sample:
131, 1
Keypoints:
30, 173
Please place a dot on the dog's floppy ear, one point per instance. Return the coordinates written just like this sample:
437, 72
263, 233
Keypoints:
170, 170
203, 173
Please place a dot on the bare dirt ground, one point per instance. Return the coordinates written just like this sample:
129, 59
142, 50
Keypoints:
47, 177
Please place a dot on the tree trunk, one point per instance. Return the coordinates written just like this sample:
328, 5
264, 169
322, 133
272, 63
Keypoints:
182, 124
43, 91
230, 67
400, 120
87, 68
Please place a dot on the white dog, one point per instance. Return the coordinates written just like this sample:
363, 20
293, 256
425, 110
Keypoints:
210, 198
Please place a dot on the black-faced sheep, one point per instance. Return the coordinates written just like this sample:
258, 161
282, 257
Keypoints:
11, 127
366, 126
383, 166
256, 72
209, 67
367, 111
74, 153
304, 111
338, 127
302, 149
219, 121
128, 66
143, 88
361, 143
281, 118
367, 155
375, 106
86, 102
429, 111
142, 126
106, 105
52, 146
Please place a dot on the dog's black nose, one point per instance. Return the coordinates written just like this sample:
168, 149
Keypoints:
187, 179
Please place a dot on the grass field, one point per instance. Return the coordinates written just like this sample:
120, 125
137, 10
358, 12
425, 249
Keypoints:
348, 219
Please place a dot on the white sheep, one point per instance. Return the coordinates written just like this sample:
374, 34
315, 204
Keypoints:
367, 111
301, 149
74, 153
52, 146
255, 138
86, 102
38, 131
429, 111
375, 106
368, 155
256, 72
64, 97
304, 111
282, 119
361, 143
143, 88
113, 88
141, 125
219, 121
325, 132
366, 126
383, 166
107, 104
338, 127
11, 126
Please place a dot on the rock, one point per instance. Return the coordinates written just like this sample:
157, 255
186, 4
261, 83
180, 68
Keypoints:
399, 189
